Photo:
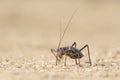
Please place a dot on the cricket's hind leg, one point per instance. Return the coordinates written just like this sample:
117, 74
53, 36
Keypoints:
86, 46
74, 44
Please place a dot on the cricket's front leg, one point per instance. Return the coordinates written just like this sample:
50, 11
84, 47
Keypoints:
55, 54
65, 60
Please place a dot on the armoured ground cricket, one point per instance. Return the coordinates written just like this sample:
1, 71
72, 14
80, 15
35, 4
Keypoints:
70, 51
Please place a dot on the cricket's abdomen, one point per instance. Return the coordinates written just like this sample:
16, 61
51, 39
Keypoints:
74, 53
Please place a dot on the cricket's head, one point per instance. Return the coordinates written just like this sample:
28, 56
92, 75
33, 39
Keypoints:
57, 53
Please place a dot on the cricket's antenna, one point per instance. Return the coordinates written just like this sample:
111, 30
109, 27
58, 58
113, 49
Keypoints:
61, 37
60, 27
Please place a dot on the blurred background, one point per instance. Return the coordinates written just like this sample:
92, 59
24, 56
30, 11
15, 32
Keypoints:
36, 24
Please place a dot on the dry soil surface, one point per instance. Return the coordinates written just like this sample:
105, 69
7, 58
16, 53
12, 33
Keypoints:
29, 29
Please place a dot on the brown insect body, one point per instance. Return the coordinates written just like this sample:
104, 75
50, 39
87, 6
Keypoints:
74, 53
70, 51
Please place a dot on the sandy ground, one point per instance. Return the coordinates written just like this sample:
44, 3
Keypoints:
29, 29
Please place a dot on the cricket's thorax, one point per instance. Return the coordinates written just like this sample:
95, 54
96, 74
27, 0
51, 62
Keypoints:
72, 52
